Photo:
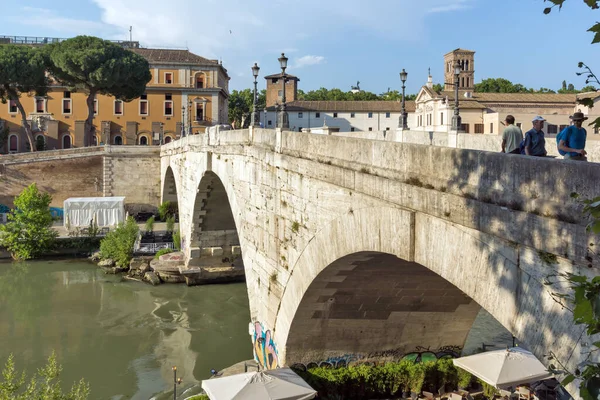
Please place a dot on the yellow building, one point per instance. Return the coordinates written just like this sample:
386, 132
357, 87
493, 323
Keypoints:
187, 93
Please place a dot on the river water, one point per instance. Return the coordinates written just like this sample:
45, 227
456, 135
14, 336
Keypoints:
124, 337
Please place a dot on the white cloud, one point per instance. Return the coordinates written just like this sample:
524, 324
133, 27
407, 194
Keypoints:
53, 21
308, 60
455, 5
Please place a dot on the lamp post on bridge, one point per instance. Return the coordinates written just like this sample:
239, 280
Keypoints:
255, 118
282, 118
456, 119
404, 116
265, 119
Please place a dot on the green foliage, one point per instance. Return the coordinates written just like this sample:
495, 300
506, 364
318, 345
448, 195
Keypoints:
592, 210
438, 87
240, 106
500, 85
200, 397
4, 132
464, 378
93, 229
29, 232
170, 223
162, 251
489, 391
118, 244
150, 224
167, 209
45, 387
22, 72
177, 240
95, 66
295, 226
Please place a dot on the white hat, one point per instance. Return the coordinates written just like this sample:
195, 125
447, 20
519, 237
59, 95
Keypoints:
538, 118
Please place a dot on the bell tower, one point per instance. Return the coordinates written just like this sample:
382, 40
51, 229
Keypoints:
466, 77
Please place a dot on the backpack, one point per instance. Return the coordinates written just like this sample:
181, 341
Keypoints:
563, 135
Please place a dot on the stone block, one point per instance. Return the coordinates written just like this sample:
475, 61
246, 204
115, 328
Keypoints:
212, 251
236, 250
195, 252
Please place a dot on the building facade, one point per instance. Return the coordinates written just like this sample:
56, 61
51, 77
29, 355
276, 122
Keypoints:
187, 93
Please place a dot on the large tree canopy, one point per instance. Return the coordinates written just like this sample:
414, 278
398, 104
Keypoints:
22, 72
96, 66
240, 106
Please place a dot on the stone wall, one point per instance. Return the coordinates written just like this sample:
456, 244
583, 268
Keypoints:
130, 171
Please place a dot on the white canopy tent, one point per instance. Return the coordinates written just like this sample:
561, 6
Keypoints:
108, 211
281, 383
504, 368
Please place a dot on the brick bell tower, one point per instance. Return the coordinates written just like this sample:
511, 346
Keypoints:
466, 78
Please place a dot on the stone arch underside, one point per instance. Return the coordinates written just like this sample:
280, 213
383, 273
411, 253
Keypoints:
213, 230
376, 306
169, 190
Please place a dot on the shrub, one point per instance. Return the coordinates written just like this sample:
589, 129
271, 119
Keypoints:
177, 240
118, 244
161, 252
170, 223
29, 232
167, 209
150, 224
464, 378
46, 387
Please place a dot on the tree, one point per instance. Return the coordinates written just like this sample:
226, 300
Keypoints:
499, 85
4, 131
588, 88
240, 106
29, 232
22, 72
96, 66
564, 85
45, 387
438, 87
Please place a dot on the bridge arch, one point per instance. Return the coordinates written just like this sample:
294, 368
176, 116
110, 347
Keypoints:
484, 268
169, 187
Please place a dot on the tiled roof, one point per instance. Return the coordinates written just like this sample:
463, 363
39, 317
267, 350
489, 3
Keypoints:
277, 76
515, 97
589, 95
349, 106
173, 56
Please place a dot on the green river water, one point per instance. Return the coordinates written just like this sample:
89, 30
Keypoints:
123, 337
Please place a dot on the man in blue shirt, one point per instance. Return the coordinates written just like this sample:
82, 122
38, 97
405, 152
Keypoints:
574, 141
535, 144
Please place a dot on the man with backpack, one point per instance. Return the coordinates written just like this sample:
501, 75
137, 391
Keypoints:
534, 143
571, 140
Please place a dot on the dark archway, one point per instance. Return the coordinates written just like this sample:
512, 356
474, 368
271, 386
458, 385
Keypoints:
213, 225
169, 192
376, 306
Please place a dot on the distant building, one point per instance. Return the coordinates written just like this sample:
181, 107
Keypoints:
187, 94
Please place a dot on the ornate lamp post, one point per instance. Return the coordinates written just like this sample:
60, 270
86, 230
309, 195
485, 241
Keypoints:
176, 381
404, 116
265, 119
456, 120
182, 121
255, 118
282, 118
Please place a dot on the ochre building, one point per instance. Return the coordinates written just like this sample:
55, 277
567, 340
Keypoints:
187, 94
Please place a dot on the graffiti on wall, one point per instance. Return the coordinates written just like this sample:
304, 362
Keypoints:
265, 351
421, 354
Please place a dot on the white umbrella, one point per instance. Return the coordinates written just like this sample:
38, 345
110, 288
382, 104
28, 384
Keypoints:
504, 368
281, 383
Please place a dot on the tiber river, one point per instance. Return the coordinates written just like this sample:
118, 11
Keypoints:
124, 337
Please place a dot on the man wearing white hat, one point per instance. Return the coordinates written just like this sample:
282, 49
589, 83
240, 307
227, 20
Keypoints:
535, 144
572, 143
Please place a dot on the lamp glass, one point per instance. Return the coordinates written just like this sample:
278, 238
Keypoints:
403, 75
283, 60
255, 69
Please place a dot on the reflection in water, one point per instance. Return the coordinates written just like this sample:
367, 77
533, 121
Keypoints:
122, 337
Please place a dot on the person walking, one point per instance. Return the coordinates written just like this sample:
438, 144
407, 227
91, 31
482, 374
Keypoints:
535, 143
511, 136
572, 142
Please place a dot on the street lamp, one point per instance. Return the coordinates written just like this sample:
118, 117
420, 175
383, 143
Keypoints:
282, 118
404, 116
456, 120
265, 119
182, 121
255, 118
176, 381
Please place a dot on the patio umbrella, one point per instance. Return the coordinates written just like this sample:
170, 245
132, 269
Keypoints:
281, 383
504, 368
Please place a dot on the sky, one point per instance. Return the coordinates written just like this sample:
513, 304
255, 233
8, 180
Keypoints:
335, 43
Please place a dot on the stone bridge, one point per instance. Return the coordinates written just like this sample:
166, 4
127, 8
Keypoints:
373, 249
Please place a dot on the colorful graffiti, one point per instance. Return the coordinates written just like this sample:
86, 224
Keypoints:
421, 354
265, 351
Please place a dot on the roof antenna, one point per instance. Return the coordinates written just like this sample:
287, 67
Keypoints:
130, 34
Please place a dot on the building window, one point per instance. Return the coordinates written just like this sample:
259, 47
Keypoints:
441, 118
370, 115
561, 127
467, 81
370, 129
118, 107
95, 106
199, 112
40, 105
280, 94
270, 123
66, 106
334, 115
12, 107
491, 127
352, 129
13, 143
168, 78
118, 140
144, 107
351, 115
66, 94
387, 114
464, 127
478, 128
300, 115
143, 141
199, 81
168, 108
168, 96
552, 129
318, 115
66, 141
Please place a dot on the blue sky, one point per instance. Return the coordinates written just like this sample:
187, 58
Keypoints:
334, 43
